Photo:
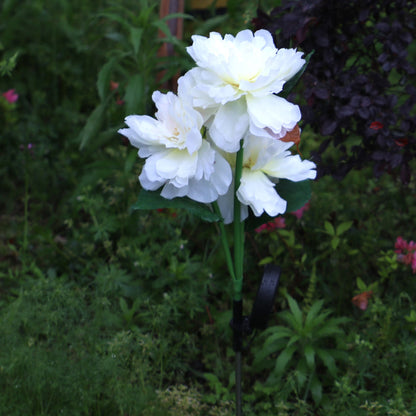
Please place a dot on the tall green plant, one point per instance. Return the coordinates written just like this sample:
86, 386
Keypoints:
133, 64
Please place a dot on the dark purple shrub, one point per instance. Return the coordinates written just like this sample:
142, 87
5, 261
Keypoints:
360, 85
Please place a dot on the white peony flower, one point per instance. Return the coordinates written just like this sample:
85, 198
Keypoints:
177, 157
234, 83
265, 162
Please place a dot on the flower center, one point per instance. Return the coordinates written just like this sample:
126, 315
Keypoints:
175, 136
250, 162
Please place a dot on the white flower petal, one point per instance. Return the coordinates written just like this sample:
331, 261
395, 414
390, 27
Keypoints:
242, 36
177, 164
226, 206
258, 192
271, 112
143, 130
235, 66
290, 167
288, 63
201, 176
222, 176
206, 161
229, 126
191, 89
215, 181
170, 191
178, 126
150, 184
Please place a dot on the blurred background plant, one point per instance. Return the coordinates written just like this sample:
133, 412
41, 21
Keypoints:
360, 87
109, 311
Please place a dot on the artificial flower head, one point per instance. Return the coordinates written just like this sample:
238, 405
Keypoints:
265, 162
235, 82
177, 157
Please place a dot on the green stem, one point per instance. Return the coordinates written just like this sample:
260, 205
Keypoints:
224, 242
238, 228
238, 281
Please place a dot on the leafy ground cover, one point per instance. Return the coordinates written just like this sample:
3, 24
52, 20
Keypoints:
109, 311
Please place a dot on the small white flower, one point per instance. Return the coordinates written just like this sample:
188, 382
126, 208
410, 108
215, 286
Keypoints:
235, 84
177, 157
265, 162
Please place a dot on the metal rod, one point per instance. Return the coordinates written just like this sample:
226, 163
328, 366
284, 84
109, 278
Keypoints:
238, 400
238, 347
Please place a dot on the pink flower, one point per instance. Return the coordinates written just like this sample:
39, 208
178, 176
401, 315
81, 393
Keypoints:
278, 222
406, 252
411, 246
400, 245
414, 262
11, 96
299, 213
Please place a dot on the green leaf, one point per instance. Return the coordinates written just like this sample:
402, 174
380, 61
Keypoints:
297, 194
330, 328
266, 260
93, 125
411, 317
289, 85
296, 312
316, 389
312, 314
136, 38
329, 228
301, 372
278, 332
123, 306
164, 28
317, 321
116, 18
362, 287
328, 361
179, 16
309, 352
153, 200
343, 227
104, 78
134, 96
335, 242
283, 360
293, 339
291, 320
